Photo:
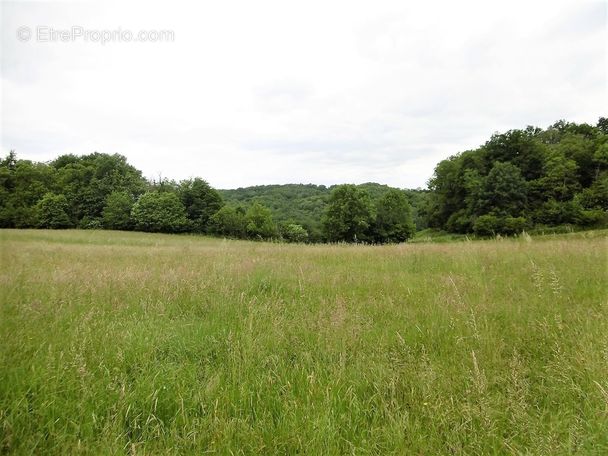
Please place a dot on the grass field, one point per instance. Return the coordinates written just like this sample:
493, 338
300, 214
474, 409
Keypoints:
132, 343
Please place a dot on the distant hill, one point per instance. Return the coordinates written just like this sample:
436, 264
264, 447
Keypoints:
304, 203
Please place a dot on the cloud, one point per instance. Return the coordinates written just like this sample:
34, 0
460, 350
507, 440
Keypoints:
312, 92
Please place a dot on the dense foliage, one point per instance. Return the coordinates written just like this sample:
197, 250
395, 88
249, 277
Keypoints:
306, 205
349, 214
159, 212
524, 178
290, 204
200, 201
518, 180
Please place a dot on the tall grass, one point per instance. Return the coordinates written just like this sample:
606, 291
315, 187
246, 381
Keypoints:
131, 343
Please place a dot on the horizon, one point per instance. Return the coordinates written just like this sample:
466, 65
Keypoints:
330, 185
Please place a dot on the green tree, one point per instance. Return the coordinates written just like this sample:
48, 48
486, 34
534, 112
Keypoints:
447, 192
52, 212
504, 191
554, 212
229, 221
86, 181
580, 146
201, 202
600, 158
393, 218
159, 212
22, 184
349, 214
297, 203
596, 196
259, 222
560, 179
513, 225
487, 225
117, 211
602, 125
522, 148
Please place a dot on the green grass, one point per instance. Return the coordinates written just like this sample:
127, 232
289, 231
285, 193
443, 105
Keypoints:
130, 343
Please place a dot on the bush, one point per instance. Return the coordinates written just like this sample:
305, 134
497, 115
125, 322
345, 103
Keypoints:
159, 212
201, 202
229, 221
555, 213
394, 221
18, 217
593, 217
90, 223
259, 222
295, 233
559, 229
52, 212
459, 222
487, 225
117, 211
348, 215
513, 225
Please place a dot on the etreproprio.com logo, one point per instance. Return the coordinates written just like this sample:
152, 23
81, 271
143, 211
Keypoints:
48, 34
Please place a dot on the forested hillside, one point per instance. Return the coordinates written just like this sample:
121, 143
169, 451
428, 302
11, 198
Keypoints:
305, 204
297, 203
517, 180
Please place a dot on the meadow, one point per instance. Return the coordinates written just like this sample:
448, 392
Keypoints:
132, 343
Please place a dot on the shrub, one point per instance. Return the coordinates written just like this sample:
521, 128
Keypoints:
513, 225
487, 225
52, 212
295, 233
201, 201
259, 222
394, 221
348, 215
117, 211
90, 223
159, 212
229, 221
553, 212
459, 222
593, 217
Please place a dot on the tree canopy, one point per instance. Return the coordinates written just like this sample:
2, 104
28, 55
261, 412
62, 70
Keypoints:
349, 214
159, 212
517, 180
524, 178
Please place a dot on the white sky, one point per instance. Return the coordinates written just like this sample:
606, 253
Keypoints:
261, 92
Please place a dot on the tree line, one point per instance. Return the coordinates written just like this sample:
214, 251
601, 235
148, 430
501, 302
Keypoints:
103, 191
305, 204
522, 179
517, 180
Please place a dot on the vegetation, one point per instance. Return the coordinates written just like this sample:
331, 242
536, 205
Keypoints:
200, 201
529, 179
52, 211
524, 178
235, 347
229, 221
159, 212
292, 203
349, 214
393, 221
306, 205
117, 211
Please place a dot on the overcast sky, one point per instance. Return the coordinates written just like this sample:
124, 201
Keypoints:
325, 92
